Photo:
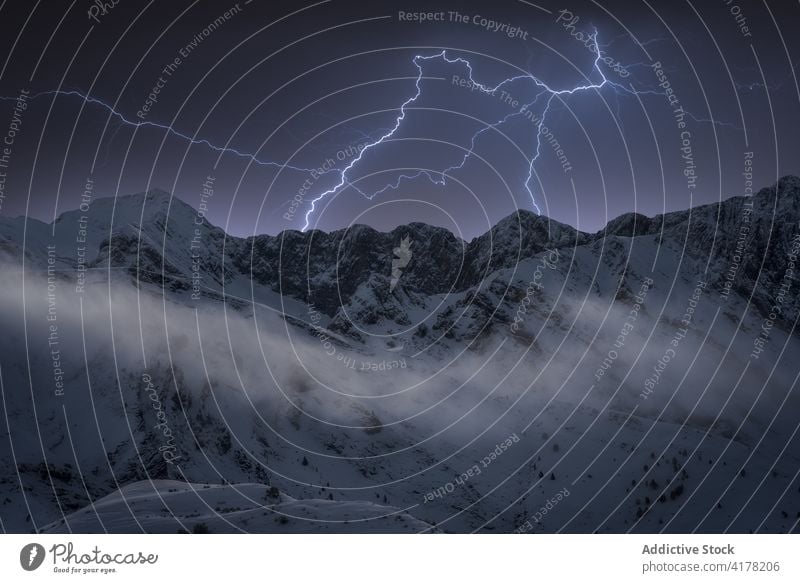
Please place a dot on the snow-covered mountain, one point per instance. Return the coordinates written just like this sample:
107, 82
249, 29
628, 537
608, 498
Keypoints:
158, 374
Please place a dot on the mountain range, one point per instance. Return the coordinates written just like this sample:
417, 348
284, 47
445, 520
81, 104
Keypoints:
158, 374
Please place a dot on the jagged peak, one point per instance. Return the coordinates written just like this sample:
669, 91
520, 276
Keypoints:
630, 225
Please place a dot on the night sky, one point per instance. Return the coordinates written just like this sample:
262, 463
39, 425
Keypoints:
257, 95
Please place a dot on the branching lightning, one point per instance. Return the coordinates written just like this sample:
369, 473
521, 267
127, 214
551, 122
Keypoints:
172, 131
551, 94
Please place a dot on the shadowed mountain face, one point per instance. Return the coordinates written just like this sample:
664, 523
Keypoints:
156, 238
152, 234
356, 373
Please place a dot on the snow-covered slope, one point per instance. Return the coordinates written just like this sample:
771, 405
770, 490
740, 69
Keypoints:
166, 507
193, 359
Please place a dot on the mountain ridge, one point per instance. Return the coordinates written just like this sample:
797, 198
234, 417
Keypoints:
161, 243
165, 198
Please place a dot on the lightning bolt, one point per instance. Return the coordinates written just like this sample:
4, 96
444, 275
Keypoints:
550, 94
174, 132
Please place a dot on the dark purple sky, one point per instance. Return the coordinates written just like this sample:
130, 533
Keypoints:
305, 87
